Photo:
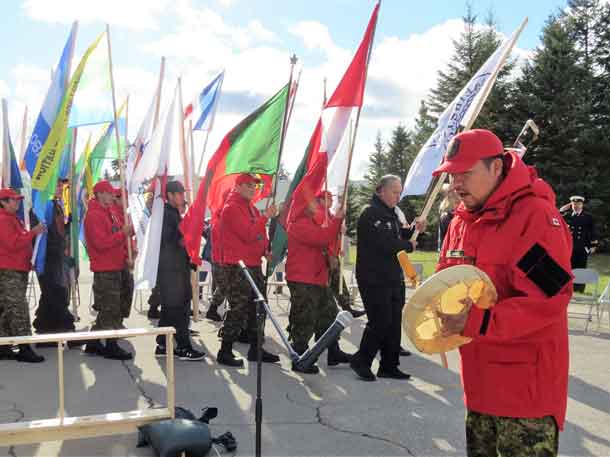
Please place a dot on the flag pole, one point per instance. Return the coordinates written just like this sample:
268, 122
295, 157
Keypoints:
159, 89
293, 61
324, 100
207, 133
73, 210
183, 155
6, 161
188, 178
24, 126
435, 188
343, 204
120, 154
352, 143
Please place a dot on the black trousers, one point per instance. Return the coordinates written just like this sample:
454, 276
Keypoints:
53, 313
579, 260
382, 333
177, 317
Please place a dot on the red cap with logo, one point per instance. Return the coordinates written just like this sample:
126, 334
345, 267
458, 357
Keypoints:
103, 186
10, 193
247, 178
467, 148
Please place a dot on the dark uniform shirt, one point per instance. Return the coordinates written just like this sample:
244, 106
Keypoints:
584, 236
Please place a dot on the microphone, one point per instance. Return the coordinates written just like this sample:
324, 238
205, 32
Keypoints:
310, 356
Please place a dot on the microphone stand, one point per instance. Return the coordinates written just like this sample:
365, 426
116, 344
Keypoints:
260, 321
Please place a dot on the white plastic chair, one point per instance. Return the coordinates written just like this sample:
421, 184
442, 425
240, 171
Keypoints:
587, 276
603, 304
205, 286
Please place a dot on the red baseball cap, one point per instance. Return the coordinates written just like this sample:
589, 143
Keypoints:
10, 193
467, 148
247, 178
103, 186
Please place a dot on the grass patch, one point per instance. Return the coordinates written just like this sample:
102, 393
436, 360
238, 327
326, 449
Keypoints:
429, 259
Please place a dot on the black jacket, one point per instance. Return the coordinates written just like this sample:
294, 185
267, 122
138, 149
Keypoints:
380, 238
174, 274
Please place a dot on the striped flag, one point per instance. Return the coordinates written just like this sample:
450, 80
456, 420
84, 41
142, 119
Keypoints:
203, 108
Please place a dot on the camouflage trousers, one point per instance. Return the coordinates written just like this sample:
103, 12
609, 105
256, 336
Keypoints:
218, 286
126, 292
493, 436
312, 311
343, 299
14, 309
241, 314
107, 296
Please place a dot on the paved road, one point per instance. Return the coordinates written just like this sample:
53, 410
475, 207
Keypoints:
329, 414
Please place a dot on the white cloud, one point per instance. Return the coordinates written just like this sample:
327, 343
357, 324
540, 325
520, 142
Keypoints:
226, 3
132, 14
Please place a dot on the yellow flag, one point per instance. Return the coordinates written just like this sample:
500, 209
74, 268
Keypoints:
50, 155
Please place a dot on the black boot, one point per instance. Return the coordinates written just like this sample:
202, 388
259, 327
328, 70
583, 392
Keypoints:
335, 355
226, 357
116, 352
6, 353
94, 347
27, 354
362, 369
243, 337
213, 315
267, 356
392, 373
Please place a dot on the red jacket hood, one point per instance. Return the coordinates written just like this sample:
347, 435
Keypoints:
519, 180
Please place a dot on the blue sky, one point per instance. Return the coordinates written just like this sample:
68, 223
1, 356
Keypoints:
253, 40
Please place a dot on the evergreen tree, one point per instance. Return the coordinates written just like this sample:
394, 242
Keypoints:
549, 87
425, 124
352, 210
398, 156
375, 170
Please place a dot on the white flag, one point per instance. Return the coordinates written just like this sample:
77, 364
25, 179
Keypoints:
148, 219
462, 111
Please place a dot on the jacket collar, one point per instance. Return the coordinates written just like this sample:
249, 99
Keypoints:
378, 202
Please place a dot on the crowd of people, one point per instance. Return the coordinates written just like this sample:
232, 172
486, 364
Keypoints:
514, 370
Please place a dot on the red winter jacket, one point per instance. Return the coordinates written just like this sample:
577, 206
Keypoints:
105, 239
119, 218
517, 363
242, 232
15, 243
308, 244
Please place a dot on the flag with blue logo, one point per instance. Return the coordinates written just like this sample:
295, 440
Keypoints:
462, 112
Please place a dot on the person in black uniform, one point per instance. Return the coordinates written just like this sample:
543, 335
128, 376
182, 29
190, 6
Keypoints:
381, 235
584, 236
53, 314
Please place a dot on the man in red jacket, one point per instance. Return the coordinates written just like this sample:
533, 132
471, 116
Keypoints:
312, 308
243, 236
106, 238
15, 264
515, 370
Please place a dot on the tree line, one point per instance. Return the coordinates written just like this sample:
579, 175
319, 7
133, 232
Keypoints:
564, 86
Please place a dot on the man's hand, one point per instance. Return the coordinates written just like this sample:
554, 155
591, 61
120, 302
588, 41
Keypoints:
271, 211
269, 256
453, 324
130, 264
40, 228
340, 214
420, 225
127, 230
333, 262
565, 207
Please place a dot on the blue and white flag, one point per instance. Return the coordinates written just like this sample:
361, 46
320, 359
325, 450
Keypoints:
462, 111
51, 104
203, 109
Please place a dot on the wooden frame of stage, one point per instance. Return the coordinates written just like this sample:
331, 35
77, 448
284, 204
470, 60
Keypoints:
67, 428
